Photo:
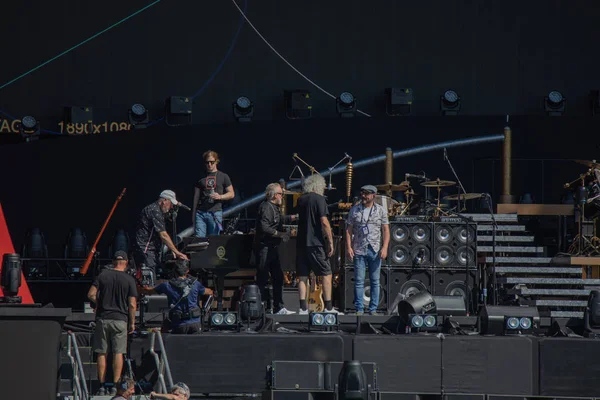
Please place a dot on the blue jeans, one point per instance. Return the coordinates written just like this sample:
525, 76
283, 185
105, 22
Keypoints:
361, 263
208, 223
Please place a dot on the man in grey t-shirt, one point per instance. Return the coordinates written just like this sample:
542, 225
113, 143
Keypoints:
367, 239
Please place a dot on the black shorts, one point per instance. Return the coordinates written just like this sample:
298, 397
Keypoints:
312, 259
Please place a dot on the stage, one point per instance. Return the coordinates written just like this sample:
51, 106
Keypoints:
282, 356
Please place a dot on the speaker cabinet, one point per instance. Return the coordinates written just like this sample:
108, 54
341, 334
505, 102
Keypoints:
409, 282
454, 243
452, 283
348, 290
410, 243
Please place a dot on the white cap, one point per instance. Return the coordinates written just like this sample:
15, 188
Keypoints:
169, 195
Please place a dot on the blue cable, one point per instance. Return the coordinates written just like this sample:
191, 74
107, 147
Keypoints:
210, 79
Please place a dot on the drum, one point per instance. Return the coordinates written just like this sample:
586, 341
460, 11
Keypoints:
388, 203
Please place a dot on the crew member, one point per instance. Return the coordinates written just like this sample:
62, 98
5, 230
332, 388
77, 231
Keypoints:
179, 391
125, 390
269, 234
209, 194
114, 294
366, 224
151, 233
183, 293
314, 242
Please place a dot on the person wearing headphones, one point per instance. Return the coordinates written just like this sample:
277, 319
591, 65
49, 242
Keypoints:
183, 293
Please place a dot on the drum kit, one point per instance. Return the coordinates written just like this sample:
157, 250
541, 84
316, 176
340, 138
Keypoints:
411, 206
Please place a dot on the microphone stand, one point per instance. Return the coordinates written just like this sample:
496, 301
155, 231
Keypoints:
494, 228
457, 179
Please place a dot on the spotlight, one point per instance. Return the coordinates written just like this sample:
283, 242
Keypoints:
346, 105
178, 111
352, 382
138, 116
554, 103
76, 250
398, 101
323, 321
120, 242
418, 311
35, 248
591, 316
450, 103
297, 103
10, 279
243, 109
251, 306
29, 128
506, 320
224, 320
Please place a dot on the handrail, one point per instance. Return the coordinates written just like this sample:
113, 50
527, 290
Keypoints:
161, 362
76, 364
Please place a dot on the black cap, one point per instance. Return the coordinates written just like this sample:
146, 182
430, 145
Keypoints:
120, 256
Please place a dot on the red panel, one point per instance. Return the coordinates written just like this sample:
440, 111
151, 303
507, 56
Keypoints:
6, 246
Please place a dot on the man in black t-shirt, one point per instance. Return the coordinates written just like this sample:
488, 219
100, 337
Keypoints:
151, 233
209, 193
314, 242
114, 293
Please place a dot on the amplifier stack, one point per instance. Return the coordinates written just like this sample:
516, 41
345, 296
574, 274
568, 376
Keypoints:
437, 256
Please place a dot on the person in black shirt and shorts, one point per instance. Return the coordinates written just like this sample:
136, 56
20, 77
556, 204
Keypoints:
209, 194
314, 242
150, 234
114, 293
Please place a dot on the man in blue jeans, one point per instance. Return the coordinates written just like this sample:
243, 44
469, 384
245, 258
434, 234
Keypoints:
367, 223
209, 194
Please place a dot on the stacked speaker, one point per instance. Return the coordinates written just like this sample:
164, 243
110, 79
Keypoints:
440, 257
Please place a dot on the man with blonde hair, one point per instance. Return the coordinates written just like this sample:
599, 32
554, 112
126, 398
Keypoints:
314, 244
269, 235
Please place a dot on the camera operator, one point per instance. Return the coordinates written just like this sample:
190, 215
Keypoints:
183, 294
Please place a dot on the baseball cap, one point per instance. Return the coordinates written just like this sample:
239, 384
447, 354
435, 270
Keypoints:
169, 195
120, 255
369, 188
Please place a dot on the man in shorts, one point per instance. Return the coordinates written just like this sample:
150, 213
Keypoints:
114, 293
314, 242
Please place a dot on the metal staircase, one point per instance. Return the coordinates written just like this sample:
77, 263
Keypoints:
525, 274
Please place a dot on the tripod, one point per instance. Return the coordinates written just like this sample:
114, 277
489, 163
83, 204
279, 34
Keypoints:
583, 245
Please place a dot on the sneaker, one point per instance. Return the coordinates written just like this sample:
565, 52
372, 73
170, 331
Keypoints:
101, 391
112, 391
303, 312
373, 313
285, 311
359, 313
334, 311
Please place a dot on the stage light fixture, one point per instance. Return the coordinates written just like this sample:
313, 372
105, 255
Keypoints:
10, 279
591, 316
224, 320
35, 247
418, 311
138, 116
398, 101
509, 320
323, 321
450, 103
251, 306
297, 104
29, 128
178, 111
346, 105
120, 242
555, 103
352, 382
76, 249
243, 109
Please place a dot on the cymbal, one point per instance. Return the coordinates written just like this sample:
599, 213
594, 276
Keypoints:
402, 187
285, 191
438, 183
464, 196
590, 164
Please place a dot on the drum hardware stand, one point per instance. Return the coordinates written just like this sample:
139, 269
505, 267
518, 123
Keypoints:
460, 185
583, 245
346, 157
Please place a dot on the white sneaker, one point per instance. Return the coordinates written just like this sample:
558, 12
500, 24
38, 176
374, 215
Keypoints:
285, 311
334, 311
303, 312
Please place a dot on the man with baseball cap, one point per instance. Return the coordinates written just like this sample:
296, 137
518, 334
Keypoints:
151, 233
366, 224
114, 294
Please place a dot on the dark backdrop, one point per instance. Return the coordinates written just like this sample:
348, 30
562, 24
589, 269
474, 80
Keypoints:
501, 56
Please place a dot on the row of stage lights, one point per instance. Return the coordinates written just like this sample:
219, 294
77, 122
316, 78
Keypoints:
298, 105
